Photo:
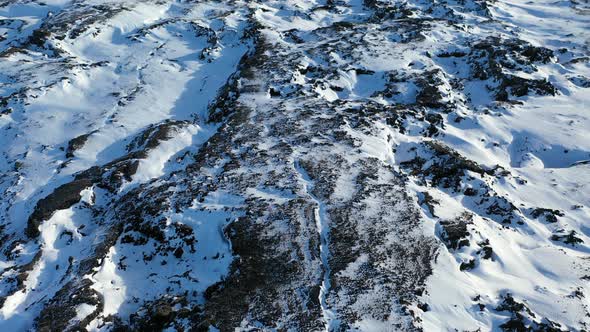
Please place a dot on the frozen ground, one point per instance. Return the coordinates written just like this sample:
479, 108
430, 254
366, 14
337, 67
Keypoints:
349, 165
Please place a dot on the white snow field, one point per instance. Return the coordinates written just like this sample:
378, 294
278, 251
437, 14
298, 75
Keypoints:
294, 165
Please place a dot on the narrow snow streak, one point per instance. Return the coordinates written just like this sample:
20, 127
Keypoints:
321, 220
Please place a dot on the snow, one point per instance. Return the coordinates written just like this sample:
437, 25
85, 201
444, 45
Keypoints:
60, 240
208, 219
167, 60
153, 166
538, 142
110, 284
83, 310
541, 141
139, 82
323, 228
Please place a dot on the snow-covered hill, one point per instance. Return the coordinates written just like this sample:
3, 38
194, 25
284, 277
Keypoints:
301, 165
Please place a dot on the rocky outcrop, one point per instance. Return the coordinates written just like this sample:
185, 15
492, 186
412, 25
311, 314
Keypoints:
290, 165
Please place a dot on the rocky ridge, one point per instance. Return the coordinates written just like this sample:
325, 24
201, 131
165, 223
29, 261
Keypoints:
294, 165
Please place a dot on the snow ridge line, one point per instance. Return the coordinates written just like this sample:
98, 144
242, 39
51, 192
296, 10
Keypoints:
321, 220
